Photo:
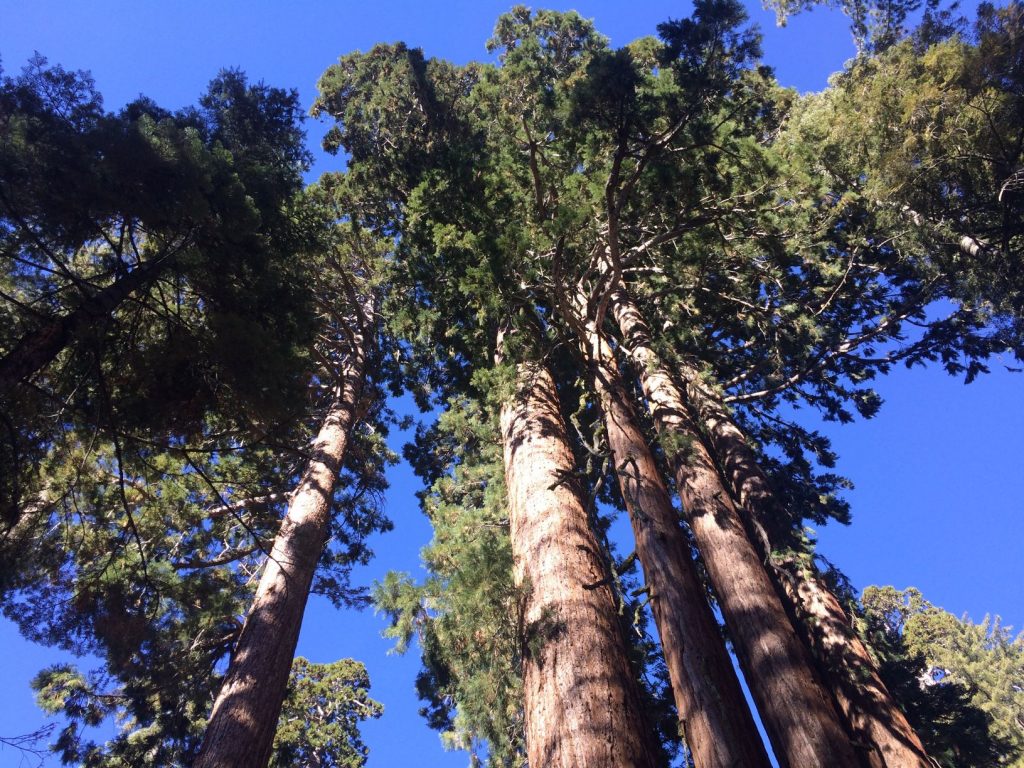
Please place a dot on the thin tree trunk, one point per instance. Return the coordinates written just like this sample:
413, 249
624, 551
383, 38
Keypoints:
876, 721
796, 710
714, 718
582, 704
39, 347
244, 719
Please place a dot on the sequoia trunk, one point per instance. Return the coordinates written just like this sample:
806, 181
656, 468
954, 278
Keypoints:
872, 715
796, 710
582, 704
244, 719
714, 718
42, 345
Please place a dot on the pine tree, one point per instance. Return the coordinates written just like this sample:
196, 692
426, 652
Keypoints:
321, 715
149, 570
191, 216
245, 713
960, 681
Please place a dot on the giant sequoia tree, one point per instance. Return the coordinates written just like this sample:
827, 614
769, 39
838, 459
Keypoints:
653, 181
618, 271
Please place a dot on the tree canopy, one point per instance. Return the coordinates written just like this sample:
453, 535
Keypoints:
566, 245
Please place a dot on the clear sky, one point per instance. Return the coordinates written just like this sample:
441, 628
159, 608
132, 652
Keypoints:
939, 473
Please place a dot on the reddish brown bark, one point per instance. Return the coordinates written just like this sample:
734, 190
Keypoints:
797, 712
714, 718
244, 719
582, 704
42, 345
877, 723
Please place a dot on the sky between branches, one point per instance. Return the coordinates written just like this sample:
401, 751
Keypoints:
939, 502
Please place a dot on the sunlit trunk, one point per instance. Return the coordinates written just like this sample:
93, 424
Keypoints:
714, 718
797, 712
244, 719
873, 717
581, 702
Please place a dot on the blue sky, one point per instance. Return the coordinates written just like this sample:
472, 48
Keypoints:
939, 473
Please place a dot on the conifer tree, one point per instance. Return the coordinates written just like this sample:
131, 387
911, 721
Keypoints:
464, 310
147, 567
926, 131
714, 720
846, 664
547, 200
960, 681
148, 511
705, 248
582, 705
466, 616
245, 713
189, 215
623, 174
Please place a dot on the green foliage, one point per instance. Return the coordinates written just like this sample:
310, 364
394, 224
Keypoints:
878, 25
320, 718
147, 562
570, 167
198, 212
961, 684
144, 568
465, 616
318, 726
143, 550
928, 137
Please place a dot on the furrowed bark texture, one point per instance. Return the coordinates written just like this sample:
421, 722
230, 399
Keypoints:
244, 719
42, 345
797, 712
873, 717
581, 701
714, 718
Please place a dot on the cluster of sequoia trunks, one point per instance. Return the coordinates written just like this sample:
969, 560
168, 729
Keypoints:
814, 683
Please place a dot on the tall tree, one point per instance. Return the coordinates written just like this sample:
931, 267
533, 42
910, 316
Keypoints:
797, 711
155, 422
557, 180
146, 565
461, 270
710, 56
874, 717
245, 713
581, 702
714, 719
189, 214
